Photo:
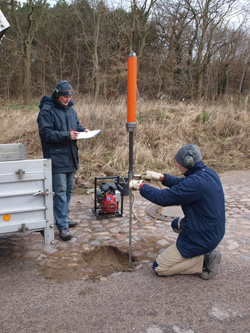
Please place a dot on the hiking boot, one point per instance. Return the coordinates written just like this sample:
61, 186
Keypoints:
65, 234
72, 223
211, 262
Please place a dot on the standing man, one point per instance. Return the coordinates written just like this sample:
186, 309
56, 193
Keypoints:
201, 197
58, 129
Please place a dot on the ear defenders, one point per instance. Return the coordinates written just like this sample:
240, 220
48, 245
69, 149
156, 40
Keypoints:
188, 158
55, 93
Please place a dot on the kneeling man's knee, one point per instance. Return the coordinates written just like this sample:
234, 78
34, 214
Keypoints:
155, 265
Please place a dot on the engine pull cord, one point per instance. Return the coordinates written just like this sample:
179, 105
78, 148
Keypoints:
137, 217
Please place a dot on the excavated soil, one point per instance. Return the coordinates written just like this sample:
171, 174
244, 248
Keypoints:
74, 264
94, 264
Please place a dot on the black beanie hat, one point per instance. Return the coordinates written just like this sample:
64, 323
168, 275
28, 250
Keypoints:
188, 156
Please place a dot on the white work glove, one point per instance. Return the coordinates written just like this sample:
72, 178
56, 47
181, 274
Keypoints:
134, 185
152, 175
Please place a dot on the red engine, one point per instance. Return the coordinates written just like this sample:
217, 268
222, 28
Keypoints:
108, 198
109, 204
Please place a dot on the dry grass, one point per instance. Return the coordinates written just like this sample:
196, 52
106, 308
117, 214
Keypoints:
222, 133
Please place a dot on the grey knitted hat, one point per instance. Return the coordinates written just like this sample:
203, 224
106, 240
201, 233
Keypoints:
63, 88
188, 156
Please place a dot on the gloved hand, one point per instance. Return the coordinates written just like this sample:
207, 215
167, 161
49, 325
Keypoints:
152, 175
134, 185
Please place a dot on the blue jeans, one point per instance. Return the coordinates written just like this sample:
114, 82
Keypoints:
63, 184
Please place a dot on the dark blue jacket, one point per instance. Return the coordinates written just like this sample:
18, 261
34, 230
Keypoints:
201, 197
54, 123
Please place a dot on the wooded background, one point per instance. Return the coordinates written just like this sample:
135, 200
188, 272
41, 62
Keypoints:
186, 49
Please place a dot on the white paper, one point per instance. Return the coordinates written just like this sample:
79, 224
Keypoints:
87, 135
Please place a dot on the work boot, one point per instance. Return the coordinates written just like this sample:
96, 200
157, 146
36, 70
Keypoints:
72, 223
211, 262
65, 234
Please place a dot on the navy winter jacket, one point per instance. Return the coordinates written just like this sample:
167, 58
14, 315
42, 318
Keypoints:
201, 197
54, 122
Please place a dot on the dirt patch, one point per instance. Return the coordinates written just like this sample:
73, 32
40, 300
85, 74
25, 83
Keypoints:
94, 264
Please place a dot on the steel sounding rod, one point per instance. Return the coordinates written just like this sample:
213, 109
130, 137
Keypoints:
131, 126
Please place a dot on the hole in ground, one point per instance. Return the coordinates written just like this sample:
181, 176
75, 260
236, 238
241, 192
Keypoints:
99, 262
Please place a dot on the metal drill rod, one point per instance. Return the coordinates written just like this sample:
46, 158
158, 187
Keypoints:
130, 176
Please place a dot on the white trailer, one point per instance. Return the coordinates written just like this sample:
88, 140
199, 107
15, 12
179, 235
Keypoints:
26, 202
4, 25
26, 197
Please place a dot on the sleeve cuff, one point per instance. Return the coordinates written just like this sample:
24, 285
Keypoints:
141, 186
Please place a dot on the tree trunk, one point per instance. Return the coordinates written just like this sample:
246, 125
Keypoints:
27, 74
25, 40
95, 73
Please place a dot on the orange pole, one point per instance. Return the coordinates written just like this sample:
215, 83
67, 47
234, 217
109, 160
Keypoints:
131, 88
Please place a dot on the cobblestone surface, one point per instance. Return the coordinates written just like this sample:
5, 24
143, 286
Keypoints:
147, 238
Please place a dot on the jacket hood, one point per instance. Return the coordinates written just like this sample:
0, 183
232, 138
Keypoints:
45, 99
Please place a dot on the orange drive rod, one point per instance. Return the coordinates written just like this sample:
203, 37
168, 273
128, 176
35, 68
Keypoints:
131, 88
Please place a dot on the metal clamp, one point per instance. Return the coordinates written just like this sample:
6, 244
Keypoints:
41, 193
46, 192
20, 173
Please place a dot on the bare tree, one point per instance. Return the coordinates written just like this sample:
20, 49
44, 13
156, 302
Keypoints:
89, 16
26, 28
210, 18
185, 48
138, 27
174, 21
